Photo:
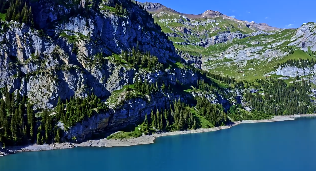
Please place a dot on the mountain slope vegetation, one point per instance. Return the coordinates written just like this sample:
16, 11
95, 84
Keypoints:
231, 47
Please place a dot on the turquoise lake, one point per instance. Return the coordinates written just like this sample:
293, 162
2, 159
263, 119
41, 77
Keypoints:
279, 146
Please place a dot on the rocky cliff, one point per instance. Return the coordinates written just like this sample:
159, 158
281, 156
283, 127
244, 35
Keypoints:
305, 37
58, 58
71, 51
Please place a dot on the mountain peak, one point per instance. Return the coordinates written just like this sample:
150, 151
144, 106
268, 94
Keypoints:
157, 8
211, 14
152, 7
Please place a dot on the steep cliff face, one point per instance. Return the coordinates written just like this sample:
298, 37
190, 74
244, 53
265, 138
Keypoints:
133, 111
305, 37
106, 30
71, 51
58, 58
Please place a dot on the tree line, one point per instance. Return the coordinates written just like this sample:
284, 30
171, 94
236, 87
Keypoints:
17, 120
137, 59
177, 116
76, 110
19, 124
275, 97
17, 10
300, 63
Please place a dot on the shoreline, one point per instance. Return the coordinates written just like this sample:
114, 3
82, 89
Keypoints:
145, 139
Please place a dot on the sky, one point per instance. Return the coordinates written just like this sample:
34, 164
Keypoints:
277, 13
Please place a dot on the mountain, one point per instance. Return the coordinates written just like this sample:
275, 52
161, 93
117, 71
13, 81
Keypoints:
231, 47
208, 23
76, 70
54, 59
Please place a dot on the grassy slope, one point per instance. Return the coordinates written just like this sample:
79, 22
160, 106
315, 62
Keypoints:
254, 69
258, 68
168, 23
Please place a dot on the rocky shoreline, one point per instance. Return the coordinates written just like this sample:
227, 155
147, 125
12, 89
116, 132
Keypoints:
146, 139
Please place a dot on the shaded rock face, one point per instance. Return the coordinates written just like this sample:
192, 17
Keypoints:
86, 129
61, 61
106, 31
190, 59
133, 111
305, 37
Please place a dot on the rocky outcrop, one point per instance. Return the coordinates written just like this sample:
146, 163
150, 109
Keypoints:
224, 37
211, 14
152, 7
133, 111
107, 32
191, 60
221, 38
260, 26
305, 37
293, 71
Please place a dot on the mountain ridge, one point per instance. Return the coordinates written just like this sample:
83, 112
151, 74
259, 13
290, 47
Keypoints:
211, 41
158, 7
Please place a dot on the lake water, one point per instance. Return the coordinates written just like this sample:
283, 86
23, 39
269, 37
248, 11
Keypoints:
289, 146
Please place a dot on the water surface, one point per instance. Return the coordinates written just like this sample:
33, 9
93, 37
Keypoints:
289, 146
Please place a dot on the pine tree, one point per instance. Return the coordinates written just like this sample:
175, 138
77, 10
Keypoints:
25, 14
146, 124
57, 137
31, 121
194, 126
153, 120
2, 112
14, 126
30, 16
166, 113
8, 102
21, 122
2, 118
39, 138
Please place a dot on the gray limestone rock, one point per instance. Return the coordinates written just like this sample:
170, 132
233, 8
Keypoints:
60, 61
305, 37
